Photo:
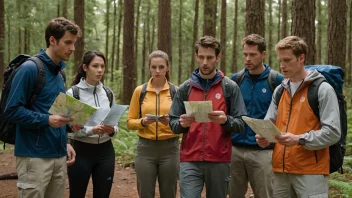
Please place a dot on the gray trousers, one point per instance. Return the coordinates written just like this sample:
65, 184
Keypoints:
300, 186
157, 160
253, 166
193, 176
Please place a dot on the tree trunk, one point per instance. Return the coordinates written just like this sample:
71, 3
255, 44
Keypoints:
79, 19
2, 39
318, 48
58, 8
349, 53
284, 19
164, 27
303, 18
107, 18
144, 50
255, 23
136, 27
337, 32
20, 44
269, 48
195, 34
234, 44
64, 9
8, 39
112, 62
26, 39
209, 25
180, 45
129, 76
279, 21
223, 37
117, 65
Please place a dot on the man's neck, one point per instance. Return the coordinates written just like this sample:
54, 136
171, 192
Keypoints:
52, 56
210, 76
300, 76
257, 71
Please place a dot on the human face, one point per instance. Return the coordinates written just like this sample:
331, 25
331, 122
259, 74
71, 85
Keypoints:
253, 59
158, 68
63, 48
95, 70
291, 66
207, 60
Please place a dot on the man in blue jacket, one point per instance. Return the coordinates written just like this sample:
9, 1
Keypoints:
250, 162
40, 147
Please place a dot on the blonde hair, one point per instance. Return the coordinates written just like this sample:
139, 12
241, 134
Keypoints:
297, 44
163, 55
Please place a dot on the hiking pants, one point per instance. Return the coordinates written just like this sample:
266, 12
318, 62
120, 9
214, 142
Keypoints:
157, 159
193, 176
96, 160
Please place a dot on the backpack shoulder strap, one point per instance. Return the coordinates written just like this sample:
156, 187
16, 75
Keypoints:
313, 89
226, 89
172, 90
40, 79
278, 94
109, 94
239, 77
272, 79
75, 92
141, 98
63, 76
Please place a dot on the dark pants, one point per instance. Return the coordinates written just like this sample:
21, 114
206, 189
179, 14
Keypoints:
96, 160
157, 160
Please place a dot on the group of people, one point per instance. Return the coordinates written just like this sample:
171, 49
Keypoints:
223, 154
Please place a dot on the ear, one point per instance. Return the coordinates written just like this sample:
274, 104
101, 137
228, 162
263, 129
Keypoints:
85, 67
263, 54
52, 40
302, 58
218, 58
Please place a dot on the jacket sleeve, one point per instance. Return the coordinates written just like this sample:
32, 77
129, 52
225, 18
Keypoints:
177, 109
234, 121
329, 113
19, 96
133, 120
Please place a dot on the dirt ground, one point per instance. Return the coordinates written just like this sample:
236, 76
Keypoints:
124, 181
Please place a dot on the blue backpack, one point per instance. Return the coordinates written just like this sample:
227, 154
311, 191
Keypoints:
334, 76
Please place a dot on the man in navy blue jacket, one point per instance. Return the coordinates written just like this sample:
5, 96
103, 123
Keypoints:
40, 147
250, 162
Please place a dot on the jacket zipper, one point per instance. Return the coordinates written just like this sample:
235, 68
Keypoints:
205, 124
97, 105
157, 113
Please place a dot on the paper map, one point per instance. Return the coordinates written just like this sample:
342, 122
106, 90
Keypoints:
265, 128
199, 109
68, 106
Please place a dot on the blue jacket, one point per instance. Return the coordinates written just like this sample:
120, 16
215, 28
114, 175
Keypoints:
34, 136
257, 97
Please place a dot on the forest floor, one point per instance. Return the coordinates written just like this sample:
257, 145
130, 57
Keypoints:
124, 181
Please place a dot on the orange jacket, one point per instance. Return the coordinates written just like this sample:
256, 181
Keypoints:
296, 116
155, 104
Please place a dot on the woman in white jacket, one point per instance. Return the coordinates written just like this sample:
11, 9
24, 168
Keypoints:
95, 154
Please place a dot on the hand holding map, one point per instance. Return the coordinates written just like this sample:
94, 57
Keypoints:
265, 128
199, 109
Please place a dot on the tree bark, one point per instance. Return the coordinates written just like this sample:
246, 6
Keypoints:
210, 10
349, 53
303, 18
279, 21
223, 37
112, 62
180, 44
119, 27
255, 23
64, 9
144, 51
2, 39
129, 75
79, 19
284, 19
269, 48
164, 27
107, 18
136, 33
318, 59
337, 14
234, 45
195, 34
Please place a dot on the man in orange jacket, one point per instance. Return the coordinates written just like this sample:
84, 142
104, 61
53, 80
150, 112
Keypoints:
301, 154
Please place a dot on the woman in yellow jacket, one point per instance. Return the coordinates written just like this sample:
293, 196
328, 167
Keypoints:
157, 155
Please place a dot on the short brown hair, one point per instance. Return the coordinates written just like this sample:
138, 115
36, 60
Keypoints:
57, 28
255, 39
208, 41
297, 44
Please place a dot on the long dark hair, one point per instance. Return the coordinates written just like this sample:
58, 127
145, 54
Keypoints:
86, 59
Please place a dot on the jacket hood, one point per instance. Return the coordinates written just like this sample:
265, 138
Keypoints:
198, 81
52, 66
89, 88
264, 74
312, 75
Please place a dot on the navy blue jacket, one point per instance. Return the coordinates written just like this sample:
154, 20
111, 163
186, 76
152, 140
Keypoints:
257, 97
34, 136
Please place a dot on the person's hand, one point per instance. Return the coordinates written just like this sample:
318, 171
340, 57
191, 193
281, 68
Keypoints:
287, 139
57, 121
262, 141
101, 129
76, 127
147, 121
71, 155
217, 117
165, 119
186, 120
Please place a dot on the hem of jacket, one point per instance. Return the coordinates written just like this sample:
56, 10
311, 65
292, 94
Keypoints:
254, 147
301, 172
17, 154
205, 160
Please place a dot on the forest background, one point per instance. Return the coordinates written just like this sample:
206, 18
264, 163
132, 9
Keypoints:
128, 31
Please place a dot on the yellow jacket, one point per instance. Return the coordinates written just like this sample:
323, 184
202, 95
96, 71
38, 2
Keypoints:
155, 104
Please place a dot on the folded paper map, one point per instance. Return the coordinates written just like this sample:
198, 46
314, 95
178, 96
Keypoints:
153, 116
199, 109
265, 128
68, 106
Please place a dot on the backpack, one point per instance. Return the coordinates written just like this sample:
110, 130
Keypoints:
271, 78
75, 93
8, 128
226, 89
144, 92
334, 76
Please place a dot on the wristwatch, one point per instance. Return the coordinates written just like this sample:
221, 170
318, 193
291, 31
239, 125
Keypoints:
302, 141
